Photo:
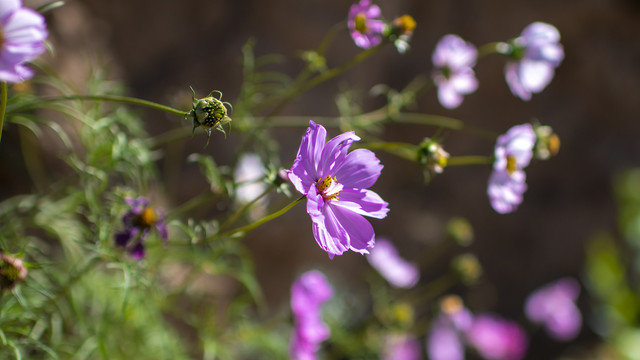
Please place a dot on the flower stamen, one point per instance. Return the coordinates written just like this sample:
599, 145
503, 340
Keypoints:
146, 219
361, 23
329, 187
511, 164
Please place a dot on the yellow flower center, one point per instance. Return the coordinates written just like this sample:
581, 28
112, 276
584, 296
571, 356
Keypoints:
1, 39
511, 164
146, 219
361, 23
328, 187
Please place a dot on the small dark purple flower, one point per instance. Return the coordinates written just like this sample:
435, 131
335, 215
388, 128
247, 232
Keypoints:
398, 272
138, 223
496, 338
454, 60
335, 183
308, 293
554, 307
534, 56
513, 153
364, 24
22, 35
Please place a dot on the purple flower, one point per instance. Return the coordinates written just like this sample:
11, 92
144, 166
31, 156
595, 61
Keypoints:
365, 27
398, 272
308, 293
22, 35
335, 183
497, 339
138, 222
535, 55
445, 341
454, 59
513, 153
554, 307
400, 347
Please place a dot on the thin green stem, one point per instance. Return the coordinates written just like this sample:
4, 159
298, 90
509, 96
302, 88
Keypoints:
191, 204
491, 48
3, 105
404, 150
319, 79
432, 290
254, 225
469, 160
112, 98
246, 207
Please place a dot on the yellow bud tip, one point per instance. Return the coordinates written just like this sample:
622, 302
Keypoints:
511, 164
554, 144
360, 23
451, 304
405, 23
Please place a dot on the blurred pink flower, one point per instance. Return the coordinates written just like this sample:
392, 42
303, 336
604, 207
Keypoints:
454, 60
400, 347
554, 307
398, 272
513, 153
535, 55
22, 35
364, 24
308, 293
496, 338
446, 338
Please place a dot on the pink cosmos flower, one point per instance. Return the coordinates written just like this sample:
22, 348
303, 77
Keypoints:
513, 153
536, 54
22, 35
384, 258
554, 307
308, 293
364, 24
496, 338
335, 183
454, 60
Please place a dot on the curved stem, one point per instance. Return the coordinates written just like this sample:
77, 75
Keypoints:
246, 207
113, 98
254, 225
3, 105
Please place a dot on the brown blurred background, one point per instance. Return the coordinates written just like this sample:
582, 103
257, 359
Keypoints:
159, 48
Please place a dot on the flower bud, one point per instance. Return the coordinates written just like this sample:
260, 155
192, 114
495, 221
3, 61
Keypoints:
460, 230
547, 142
210, 113
12, 271
432, 156
467, 267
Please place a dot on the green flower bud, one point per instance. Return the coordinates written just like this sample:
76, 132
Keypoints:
210, 113
460, 230
467, 267
547, 142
